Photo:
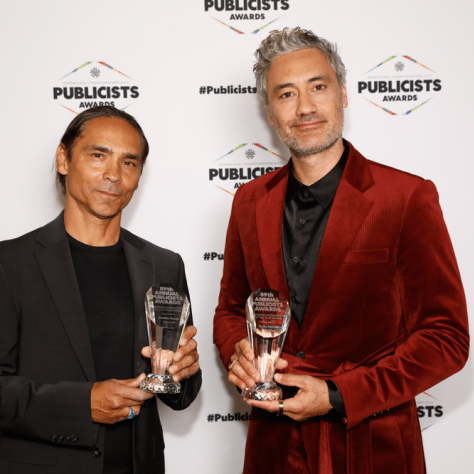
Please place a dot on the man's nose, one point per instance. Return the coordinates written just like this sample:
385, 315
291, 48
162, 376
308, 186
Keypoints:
113, 172
306, 105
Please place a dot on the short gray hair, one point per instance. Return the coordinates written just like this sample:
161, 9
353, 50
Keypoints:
281, 42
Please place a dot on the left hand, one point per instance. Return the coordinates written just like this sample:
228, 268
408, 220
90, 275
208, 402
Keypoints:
186, 357
311, 400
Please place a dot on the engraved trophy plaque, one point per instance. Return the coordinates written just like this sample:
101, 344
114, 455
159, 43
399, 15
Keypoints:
268, 318
167, 311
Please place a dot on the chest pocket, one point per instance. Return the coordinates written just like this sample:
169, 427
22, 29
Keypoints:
366, 256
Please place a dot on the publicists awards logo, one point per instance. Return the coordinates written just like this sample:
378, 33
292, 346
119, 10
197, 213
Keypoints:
246, 16
399, 85
242, 164
430, 410
92, 84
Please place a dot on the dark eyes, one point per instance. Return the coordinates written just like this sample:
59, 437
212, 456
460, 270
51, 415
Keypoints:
317, 87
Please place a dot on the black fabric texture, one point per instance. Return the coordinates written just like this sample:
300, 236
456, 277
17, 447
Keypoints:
106, 293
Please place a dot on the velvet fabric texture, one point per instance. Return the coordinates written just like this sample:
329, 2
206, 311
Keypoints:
386, 317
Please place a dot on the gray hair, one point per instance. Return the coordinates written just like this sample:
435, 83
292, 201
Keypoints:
278, 43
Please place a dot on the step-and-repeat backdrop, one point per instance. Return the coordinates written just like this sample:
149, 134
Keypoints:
183, 68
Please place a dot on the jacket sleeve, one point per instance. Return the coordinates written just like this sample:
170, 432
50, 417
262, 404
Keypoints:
229, 320
29, 409
434, 311
189, 387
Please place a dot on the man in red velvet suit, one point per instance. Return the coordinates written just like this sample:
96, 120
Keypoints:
362, 253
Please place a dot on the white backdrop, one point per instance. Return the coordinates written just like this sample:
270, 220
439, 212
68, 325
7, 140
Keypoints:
170, 57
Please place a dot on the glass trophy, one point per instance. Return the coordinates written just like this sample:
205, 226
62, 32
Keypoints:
167, 311
268, 318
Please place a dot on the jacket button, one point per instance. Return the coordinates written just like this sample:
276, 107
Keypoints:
96, 453
75, 439
60, 438
300, 354
53, 438
68, 438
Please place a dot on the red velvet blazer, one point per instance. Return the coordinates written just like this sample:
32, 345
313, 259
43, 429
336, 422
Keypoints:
386, 317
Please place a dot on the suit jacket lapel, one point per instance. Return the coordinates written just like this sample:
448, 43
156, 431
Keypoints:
269, 217
141, 271
349, 210
57, 267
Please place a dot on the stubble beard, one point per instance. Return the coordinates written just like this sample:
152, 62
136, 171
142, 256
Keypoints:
297, 145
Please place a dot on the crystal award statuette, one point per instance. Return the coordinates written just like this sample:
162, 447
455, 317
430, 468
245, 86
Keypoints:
167, 310
268, 317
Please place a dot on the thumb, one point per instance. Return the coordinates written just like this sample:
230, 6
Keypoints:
290, 380
146, 351
133, 382
282, 364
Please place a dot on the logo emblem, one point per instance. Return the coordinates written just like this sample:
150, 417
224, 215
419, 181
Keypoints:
399, 85
241, 16
242, 164
92, 84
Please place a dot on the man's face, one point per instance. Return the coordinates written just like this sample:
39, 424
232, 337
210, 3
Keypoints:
104, 168
305, 102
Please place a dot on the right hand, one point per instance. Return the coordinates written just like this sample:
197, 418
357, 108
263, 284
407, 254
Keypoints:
243, 373
111, 399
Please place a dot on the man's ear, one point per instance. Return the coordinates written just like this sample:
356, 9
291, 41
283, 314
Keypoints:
61, 159
344, 96
270, 119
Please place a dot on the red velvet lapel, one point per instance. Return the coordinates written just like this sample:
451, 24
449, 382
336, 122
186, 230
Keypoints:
269, 216
349, 210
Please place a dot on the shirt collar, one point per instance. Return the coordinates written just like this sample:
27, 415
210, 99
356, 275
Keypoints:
322, 190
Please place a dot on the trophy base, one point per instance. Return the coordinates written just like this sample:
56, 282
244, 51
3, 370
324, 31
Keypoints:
160, 384
263, 392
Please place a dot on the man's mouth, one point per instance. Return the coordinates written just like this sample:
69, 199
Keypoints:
108, 194
312, 124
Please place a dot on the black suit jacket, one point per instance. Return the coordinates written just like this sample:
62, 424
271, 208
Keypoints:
46, 364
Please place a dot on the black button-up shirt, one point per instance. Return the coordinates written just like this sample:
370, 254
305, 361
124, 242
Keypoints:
305, 217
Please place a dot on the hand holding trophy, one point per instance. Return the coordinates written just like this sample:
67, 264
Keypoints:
167, 310
268, 318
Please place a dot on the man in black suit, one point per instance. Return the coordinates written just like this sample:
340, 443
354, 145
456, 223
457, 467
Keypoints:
72, 319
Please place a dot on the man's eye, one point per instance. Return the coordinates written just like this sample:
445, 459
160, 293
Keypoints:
285, 95
130, 163
97, 155
319, 87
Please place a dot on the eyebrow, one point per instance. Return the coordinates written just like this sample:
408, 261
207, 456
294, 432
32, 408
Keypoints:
105, 149
290, 84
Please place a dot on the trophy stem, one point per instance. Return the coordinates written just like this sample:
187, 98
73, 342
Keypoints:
160, 384
263, 392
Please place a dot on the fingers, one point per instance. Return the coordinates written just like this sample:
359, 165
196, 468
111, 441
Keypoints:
243, 373
188, 334
281, 364
311, 400
131, 382
243, 350
292, 380
270, 405
190, 346
111, 399
128, 389
186, 367
126, 411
